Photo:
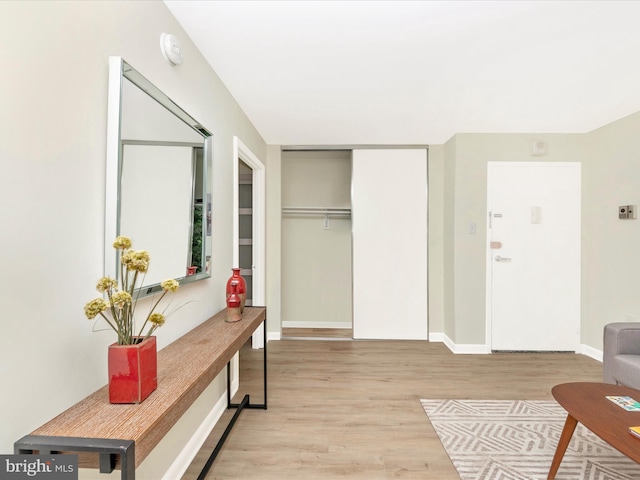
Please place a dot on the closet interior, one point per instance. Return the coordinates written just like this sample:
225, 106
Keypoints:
316, 244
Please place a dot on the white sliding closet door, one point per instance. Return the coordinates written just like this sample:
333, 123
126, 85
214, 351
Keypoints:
389, 221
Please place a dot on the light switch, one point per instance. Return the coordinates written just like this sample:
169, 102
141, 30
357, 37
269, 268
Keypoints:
536, 214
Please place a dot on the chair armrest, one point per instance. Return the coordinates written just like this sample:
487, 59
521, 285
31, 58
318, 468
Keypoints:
623, 337
619, 338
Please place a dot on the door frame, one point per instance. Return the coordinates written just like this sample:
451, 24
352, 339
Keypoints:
242, 152
488, 254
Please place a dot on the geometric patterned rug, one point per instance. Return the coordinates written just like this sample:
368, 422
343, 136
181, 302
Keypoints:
516, 440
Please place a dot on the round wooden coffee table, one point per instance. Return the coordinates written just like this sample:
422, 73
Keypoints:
587, 404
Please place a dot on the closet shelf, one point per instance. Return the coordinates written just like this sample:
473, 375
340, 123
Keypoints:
326, 212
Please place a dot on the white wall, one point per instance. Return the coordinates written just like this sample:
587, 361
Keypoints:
52, 180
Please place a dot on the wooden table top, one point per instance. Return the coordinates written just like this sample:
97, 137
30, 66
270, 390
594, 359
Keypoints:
185, 368
587, 403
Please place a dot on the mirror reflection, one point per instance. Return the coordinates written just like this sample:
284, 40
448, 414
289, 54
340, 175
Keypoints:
157, 181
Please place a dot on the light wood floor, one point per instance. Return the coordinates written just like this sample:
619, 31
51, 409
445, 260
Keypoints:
350, 409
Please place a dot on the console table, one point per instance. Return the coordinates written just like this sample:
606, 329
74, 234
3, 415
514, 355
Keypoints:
123, 435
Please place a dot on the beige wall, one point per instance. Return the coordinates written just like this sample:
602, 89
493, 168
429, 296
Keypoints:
448, 223
52, 181
319, 178
611, 265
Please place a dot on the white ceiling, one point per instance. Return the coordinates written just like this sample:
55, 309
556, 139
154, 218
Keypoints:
417, 72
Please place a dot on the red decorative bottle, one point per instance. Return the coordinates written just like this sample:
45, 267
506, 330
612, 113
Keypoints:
241, 287
233, 304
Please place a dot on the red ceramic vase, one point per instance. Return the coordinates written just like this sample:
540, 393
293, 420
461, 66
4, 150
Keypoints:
233, 304
133, 371
241, 289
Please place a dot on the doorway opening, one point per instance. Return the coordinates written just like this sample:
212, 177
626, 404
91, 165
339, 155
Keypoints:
249, 232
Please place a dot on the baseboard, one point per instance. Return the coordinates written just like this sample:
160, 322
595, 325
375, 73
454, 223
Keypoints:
591, 352
437, 337
483, 349
468, 349
317, 325
273, 336
193, 446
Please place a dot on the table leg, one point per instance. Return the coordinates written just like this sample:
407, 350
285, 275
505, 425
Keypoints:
107, 448
246, 403
563, 443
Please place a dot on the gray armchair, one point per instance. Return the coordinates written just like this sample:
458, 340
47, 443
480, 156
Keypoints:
621, 354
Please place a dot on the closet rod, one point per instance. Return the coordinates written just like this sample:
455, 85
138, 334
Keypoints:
342, 212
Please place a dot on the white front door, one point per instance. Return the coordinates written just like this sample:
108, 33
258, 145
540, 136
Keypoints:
533, 260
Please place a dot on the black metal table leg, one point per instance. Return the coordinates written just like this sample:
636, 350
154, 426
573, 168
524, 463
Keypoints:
245, 403
108, 449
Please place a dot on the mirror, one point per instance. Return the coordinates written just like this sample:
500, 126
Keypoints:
158, 190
